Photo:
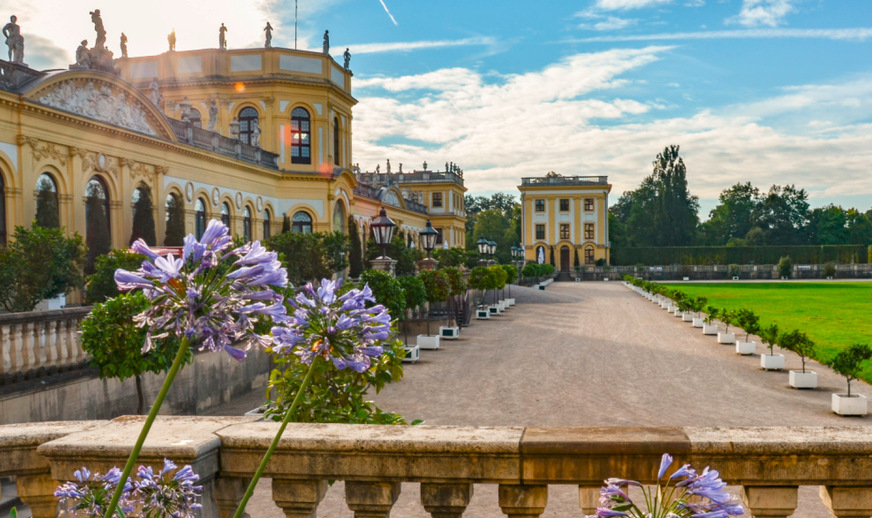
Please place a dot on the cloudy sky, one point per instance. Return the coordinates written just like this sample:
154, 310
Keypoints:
767, 91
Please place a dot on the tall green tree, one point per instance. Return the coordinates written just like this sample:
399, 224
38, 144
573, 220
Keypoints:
500, 203
312, 256
355, 251
828, 226
143, 217
783, 215
493, 225
175, 233
734, 216
97, 232
47, 213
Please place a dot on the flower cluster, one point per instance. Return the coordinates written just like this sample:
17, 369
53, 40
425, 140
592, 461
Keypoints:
692, 494
212, 295
336, 327
161, 494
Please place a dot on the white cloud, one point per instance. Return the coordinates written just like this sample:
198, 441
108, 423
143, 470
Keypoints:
770, 13
405, 46
853, 34
610, 23
623, 5
563, 118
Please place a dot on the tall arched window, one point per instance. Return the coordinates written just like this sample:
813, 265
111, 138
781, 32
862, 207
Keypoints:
302, 223
589, 255
98, 228
267, 231
200, 218
246, 123
143, 216
336, 140
2, 211
246, 224
47, 212
339, 217
300, 137
175, 221
225, 214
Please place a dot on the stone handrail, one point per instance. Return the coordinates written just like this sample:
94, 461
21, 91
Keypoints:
768, 463
40, 342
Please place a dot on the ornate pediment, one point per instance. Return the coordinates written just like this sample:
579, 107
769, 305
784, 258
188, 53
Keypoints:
101, 101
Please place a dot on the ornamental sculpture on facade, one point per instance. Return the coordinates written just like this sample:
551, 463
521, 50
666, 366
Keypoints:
98, 103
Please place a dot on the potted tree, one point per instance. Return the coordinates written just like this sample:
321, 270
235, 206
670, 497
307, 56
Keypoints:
771, 361
710, 328
698, 305
456, 287
848, 363
802, 345
750, 323
478, 280
727, 317
437, 290
685, 308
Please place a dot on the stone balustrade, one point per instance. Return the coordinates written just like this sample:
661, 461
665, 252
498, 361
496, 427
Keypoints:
768, 463
40, 342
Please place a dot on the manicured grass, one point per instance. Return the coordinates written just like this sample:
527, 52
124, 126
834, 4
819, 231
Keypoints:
833, 314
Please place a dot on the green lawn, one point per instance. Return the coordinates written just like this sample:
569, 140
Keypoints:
833, 314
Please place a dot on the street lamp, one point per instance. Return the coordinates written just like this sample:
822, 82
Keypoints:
428, 238
383, 231
482, 245
492, 249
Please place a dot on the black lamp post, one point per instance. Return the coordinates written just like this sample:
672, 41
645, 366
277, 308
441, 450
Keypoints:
428, 238
483, 248
492, 249
383, 231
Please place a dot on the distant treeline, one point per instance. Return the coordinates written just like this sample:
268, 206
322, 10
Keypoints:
701, 255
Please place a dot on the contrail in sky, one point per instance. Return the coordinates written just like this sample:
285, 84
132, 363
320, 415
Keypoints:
389, 13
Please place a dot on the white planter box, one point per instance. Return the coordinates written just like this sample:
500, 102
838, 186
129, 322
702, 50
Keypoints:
685, 278
495, 309
772, 362
678, 314
687, 317
698, 322
605, 279
413, 353
726, 338
449, 333
745, 347
803, 380
511, 302
854, 405
482, 314
709, 329
504, 305
672, 309
58, 302
428, 342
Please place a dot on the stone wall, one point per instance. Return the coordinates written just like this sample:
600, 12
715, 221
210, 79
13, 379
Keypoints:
212, 379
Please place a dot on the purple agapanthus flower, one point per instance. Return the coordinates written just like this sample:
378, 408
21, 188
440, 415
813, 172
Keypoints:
91, 494
336, 327
161, 494
213, 294
691, 495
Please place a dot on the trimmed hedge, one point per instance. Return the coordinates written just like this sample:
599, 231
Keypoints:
701, 255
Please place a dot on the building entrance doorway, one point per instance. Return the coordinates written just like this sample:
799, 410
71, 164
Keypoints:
564, 259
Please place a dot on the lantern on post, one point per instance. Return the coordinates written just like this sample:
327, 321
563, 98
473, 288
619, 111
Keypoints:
483, 248
492, 249
428, 238
383, 230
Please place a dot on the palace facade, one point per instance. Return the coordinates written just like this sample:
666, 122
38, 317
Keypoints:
245, 136
565, 217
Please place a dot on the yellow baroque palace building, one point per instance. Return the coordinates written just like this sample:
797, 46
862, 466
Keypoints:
566, 216
246, 136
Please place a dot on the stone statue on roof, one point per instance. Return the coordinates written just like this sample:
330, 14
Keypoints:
172, 40
213, 115
100, 42
123, 45
388, 167
83, 57
326, 44
222, 38
14, 40
268, 30
255, 133
347, 57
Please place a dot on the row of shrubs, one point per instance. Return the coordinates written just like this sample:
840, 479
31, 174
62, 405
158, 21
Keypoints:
848, 362
804, 254
537, 270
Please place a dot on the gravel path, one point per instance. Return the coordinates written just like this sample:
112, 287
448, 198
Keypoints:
588, 354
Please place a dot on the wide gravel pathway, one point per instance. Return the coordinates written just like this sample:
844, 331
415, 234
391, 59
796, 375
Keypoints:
587, 354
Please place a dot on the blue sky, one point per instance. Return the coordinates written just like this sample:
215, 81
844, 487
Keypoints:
767, 91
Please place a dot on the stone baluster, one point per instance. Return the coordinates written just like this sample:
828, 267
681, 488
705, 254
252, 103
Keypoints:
37, 491
26, 338
446, 500
14, 346
75, 341
36, 346
770, 502
5, 351
228, 493
298, 498
588, 499
371, 499
520, 501
53, 343
848, 502
64, 342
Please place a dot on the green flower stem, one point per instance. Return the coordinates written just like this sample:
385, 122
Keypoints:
272, 447
155, 408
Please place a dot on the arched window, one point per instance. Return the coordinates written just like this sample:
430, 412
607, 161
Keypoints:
300, 137
200, 218
336, 140
196, 118
589, 255
246, 224
175, 221
225, 214
98, 228
2, 211
302, 223
246, 123
339, 217
267, 231
47, 212
143, 216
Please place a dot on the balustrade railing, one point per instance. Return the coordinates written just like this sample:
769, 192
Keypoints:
769, 464
38, 343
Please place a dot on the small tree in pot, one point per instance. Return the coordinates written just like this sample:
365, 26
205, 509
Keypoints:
726, 316
770, 336
750, 322
849, 363
711, 314
803, 346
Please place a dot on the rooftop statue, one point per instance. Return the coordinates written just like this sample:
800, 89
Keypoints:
347, 57
222, 39
213, 115
100, 42
155, 92
123, 45
268, 30
14, 40
172, 40
83, 57
326, 44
